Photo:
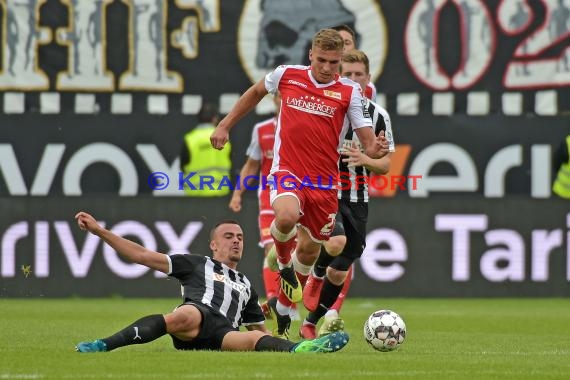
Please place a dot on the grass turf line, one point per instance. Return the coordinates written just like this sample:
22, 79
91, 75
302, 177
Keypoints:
447, 339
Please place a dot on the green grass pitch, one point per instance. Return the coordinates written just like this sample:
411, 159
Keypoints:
447, 339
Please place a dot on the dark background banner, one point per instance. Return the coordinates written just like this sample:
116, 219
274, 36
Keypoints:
116, 84
96, 97
449, 247
214, 47
491, 156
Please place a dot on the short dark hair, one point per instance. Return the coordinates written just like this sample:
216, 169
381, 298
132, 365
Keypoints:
346, 28
223, 221
208, 112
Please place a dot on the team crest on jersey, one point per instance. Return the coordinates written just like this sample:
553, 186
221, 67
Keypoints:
219, 277
288, 185
333, 94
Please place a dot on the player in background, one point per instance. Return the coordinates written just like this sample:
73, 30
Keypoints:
258, 163
217, 300
316, 107
330, 272
349, 37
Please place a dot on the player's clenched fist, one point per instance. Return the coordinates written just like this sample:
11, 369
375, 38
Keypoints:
219, 138
86, 222
235, 203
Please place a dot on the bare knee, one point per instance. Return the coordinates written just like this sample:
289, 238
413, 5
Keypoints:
335, 245
250, 340
286, 220
184, 322
287, 213
335, 276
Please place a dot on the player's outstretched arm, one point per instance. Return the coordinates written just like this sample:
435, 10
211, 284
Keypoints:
244, 105
127, 249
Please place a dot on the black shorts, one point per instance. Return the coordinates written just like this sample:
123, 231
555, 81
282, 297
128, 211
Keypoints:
352, 217
212, 332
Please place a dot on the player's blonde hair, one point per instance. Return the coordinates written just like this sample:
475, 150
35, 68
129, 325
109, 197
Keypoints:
356, 56
328, 39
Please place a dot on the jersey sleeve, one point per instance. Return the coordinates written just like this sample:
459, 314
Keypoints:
384, 123
252, 313
273, 78
182, 265
254, 150
357, 112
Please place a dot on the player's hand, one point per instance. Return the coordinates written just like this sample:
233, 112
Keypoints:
235, 203
354, 157
86, 222
219, 137
382, 145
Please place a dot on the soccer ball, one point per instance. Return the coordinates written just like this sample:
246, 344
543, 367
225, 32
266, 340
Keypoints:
384, 330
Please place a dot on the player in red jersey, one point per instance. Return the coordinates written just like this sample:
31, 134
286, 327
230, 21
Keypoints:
322, 294
336, 243
316, 109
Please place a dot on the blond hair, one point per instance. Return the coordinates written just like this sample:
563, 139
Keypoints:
356, 56
328, 39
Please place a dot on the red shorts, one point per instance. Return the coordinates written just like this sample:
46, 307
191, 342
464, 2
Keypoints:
318, 206
266, 216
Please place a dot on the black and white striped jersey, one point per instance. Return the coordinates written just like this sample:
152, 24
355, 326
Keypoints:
224, 290
358, 189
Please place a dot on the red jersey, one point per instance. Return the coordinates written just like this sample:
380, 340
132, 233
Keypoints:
370, 91
261, 149
261, 145
313, 120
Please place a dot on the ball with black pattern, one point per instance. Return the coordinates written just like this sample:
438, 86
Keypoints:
385, 330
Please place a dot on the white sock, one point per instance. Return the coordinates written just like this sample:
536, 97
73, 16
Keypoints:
332, 313
300, 267
282, 309
281, 236
281, 266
